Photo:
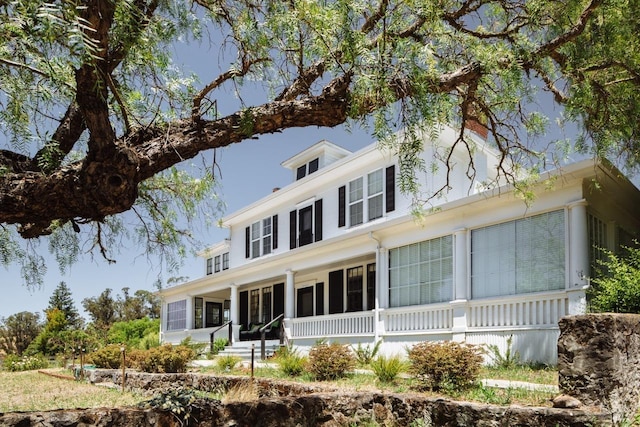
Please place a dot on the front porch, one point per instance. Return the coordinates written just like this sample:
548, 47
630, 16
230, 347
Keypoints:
531, 319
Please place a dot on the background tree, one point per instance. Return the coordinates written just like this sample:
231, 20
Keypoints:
62, 300
102, 309
18, 330
96, 116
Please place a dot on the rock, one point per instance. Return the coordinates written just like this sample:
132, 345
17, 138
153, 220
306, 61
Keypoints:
566, 401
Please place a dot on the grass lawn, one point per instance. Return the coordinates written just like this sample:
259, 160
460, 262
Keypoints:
33, 391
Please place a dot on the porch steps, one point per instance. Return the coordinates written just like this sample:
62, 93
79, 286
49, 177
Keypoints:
242, 349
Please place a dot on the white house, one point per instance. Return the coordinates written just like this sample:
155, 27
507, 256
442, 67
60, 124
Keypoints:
340, 254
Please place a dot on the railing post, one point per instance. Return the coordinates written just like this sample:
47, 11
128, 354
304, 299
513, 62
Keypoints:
262, 345
211, 342
230, 333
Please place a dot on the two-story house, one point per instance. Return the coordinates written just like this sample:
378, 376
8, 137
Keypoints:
341, 253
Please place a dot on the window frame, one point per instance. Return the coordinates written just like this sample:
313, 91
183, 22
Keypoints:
177, 315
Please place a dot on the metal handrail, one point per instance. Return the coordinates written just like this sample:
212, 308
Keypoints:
211, 335
262, 331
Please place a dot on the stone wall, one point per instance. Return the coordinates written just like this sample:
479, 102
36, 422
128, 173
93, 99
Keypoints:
321, 409
599, 362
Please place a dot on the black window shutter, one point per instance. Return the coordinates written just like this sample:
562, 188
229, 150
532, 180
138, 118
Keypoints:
243, 311
390, 190
336, 292
318, 217
319, 299
293, 229
274, 232
342, 191
247, 243
278, 299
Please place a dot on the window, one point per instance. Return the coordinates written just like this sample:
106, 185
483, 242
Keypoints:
255, 306
261, 238
225, 261
266, 236
355, 202
521, 256
197, 312
305, 225
371, 286
216, 264
597, 240
177, 315
372, 194
305, 302
209, 266
307, 169
266, 304
354, 289
421, 273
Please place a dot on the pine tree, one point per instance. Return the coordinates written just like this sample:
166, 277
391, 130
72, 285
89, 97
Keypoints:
63, 301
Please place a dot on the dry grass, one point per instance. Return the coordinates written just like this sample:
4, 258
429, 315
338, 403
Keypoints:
243, 392
33, 391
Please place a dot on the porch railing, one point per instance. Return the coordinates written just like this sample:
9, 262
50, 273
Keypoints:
522, 310
213, 333
431, 317
355, 323
263, 333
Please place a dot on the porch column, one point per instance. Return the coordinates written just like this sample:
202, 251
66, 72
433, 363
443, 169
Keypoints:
233, 302
578, 257
382, 282
460, 288
290, 294
190, 323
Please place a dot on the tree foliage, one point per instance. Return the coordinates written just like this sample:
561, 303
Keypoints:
96, 116
616, 289
62, 300
18, 330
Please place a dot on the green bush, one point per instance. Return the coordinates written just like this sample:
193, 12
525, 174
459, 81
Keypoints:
365, 354
507, 360
219, 344
330, 361
448, 365
291, 362
132, 332
15, 363
387, 368
108, 357
616, 288
166, 359
228, 361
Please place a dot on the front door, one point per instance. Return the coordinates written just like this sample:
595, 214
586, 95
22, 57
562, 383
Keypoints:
213, 314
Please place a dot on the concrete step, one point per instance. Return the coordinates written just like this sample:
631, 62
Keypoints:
242, 349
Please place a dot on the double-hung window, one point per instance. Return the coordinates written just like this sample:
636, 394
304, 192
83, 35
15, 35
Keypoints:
225, 261
216, 264
356, 202
366, 198
209, 266
305, 224
261, 239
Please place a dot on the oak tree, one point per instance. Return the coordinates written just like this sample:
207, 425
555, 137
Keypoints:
96, 117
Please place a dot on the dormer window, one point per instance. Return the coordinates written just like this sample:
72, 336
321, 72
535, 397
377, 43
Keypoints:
307, 168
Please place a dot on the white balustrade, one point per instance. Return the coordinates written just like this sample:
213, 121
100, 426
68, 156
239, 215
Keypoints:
518, 311
344, 324
418, 318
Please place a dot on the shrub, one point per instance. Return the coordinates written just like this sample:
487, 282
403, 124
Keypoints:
291, 362
166, 359
13, 363
219, 344
449, 365
365, 354
228, 361
509, 359
387, 368
109, 357
330, 361
616, 288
